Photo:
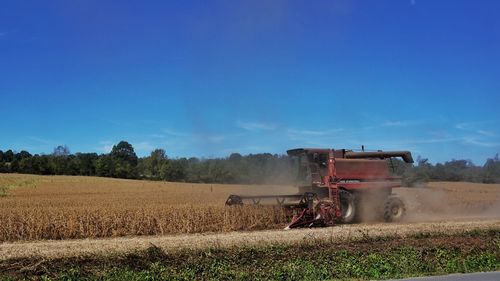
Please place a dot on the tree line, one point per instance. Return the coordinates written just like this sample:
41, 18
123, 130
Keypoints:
123, 162
454, 170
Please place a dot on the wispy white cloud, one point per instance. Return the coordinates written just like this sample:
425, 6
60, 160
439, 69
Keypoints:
185, 136
255, 126
158, 136
419, 136
395, 124
215, 138
486, 133
472, 125
313, 133
467, 140
463, 126
106, 146
247, 149
44, 141
433, 140
480, 133
175, 133
113, 122
144, 146
479, 142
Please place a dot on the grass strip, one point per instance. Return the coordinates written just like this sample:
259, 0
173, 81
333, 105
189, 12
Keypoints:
308, 260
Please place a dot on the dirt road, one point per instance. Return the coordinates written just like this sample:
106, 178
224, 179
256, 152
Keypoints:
84, 247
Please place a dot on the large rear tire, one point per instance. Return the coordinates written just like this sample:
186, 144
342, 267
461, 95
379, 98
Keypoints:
347, 206
394, 210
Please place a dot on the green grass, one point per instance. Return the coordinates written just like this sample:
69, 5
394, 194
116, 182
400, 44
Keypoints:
304, 261
402, 262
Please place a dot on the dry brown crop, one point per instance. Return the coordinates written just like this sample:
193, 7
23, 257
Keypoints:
63, 207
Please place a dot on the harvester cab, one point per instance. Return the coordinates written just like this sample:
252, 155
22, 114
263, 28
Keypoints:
337, 186
313, 166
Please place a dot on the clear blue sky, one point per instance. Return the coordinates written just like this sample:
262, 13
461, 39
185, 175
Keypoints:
207, 78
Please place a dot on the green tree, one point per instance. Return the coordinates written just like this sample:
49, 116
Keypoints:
22, 155
125, 152
41, 164
124, 161
156, 163
86, 163
105, 166
174, 170
3, 165
8, 156
14, 166
26, 166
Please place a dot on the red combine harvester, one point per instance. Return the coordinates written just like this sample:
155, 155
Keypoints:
338, 186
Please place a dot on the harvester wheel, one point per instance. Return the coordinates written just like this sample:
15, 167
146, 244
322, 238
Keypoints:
394, 209
347, 206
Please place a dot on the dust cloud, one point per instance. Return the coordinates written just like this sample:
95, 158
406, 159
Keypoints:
451, 200
435, 201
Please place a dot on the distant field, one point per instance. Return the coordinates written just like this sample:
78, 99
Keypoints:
64, 207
